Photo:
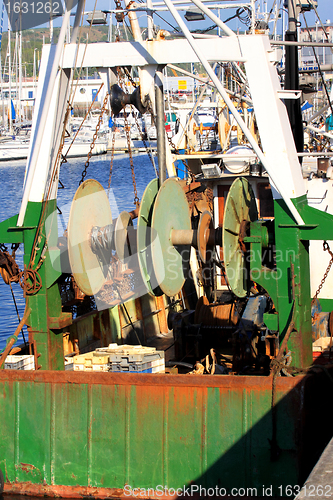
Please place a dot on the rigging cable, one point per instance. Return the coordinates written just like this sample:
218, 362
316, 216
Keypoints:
310, 2
318, 64
175, 28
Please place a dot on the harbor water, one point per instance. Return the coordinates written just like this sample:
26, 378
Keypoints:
121, 196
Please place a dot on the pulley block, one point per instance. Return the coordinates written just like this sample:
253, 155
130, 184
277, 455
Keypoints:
118, 100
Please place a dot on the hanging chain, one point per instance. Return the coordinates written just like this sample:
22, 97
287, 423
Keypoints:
128, 138
92, 145
129, 76
148, 151
112, 158
326, 247
150, 110
176, 150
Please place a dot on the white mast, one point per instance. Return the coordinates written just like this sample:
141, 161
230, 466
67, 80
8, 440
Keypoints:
10, 82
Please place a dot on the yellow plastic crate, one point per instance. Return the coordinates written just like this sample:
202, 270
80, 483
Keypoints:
91, 363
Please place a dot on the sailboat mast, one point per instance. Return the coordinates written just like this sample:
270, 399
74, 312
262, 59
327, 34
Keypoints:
10, 82
1, 80
20, 77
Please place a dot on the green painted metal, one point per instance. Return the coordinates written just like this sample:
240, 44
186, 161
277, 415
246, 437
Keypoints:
171, 212
103, 430
326, 305
240, 208
288, 283
47, 302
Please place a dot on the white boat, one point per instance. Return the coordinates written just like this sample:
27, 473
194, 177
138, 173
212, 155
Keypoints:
17, 149
14, 149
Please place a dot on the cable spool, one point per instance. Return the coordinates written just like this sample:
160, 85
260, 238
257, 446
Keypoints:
90, 257
143, 238
124, 237
240, 210
170, 256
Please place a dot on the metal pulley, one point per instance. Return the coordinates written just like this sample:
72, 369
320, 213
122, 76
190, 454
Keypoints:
119, 99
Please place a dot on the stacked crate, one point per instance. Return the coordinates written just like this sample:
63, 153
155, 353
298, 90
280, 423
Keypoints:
136, 359
121, 358
23, 362
91, 362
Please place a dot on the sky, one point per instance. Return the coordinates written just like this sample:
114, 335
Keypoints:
325, 10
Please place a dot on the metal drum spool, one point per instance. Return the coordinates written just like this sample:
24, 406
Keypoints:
143, 238
240, 209
171, 235
124, 237
164, 237
90, 210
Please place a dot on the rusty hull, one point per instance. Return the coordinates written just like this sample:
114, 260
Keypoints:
77, 434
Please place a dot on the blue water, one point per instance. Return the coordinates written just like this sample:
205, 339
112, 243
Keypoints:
121, 197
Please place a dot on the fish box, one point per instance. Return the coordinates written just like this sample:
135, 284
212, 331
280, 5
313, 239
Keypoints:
155, 366
90, 362
136, 359
69, 363
24, 362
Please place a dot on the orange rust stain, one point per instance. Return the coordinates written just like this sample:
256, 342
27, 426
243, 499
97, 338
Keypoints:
26, 467
32, 489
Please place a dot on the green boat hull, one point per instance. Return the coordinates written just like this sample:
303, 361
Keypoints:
78, 433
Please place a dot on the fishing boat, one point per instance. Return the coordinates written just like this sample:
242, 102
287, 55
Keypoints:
216, 266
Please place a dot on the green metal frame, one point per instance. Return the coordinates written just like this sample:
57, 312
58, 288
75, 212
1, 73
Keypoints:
289, 283
46, 320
